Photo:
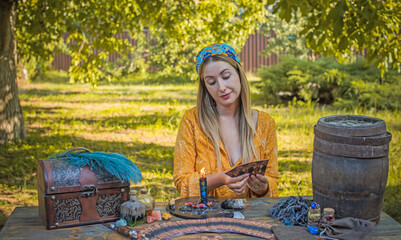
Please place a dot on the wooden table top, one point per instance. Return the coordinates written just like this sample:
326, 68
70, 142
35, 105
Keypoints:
24, 223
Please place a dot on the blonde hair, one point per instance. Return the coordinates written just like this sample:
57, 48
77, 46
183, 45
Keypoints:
208, 114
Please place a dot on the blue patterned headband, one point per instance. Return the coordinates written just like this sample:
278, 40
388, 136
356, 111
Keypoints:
215, 49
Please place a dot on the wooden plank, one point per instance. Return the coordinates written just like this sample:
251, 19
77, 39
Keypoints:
387, 228
24, 223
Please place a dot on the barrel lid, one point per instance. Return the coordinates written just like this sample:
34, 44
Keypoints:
351, 125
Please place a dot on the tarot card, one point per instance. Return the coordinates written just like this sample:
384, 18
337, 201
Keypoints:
253, 168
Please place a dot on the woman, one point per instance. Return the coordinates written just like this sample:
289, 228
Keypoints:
222, 132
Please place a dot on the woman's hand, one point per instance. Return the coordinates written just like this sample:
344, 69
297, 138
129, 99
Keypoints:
258, 184
237, 184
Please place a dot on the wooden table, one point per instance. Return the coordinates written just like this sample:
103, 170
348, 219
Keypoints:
24, 223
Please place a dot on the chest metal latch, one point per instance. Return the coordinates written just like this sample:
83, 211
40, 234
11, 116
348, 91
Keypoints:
91, 191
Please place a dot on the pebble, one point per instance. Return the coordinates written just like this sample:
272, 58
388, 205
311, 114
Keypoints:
121, 223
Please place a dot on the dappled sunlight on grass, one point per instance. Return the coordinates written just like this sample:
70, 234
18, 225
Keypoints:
293, 184
160, 184
127, 136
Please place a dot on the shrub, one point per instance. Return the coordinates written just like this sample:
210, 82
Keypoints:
326, 81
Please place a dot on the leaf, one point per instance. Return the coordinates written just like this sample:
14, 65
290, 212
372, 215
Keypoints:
343, 44
304, 8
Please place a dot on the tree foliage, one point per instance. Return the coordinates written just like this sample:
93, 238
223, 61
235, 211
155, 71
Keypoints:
339, 27
283, 36
180, 29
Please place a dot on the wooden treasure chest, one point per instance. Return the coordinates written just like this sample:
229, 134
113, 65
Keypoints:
70, 196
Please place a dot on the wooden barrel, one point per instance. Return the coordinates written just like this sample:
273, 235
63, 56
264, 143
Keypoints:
350, 165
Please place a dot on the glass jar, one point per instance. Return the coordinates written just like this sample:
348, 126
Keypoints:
148, 200
133, 195
314, 215
328, 214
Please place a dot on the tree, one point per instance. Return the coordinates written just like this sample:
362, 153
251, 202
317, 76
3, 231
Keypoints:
181, 29
11, 120
338, 27
284, 36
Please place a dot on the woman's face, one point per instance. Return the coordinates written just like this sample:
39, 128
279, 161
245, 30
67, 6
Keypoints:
223, 83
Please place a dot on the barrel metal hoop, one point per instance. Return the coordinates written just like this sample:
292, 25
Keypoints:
353, 151
371, 140
346, 195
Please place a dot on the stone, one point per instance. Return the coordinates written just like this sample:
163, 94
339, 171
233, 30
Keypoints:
166, 216
238, 204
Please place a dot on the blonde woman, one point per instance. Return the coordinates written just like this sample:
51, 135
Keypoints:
222, 132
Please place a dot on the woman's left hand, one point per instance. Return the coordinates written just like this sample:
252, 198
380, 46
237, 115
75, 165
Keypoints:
258, 184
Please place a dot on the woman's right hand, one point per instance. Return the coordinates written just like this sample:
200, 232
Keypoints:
237, 184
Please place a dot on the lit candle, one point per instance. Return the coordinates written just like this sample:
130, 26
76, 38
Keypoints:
203, 187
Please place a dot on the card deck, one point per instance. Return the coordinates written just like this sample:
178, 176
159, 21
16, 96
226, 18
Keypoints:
253, 168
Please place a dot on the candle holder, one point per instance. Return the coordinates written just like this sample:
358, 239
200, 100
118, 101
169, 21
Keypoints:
203, 187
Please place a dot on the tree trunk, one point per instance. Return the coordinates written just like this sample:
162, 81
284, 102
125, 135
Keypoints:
12, 125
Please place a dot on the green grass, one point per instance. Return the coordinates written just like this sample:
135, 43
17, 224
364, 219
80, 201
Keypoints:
141, 120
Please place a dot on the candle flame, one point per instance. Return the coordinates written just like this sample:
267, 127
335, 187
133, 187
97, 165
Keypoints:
202, 171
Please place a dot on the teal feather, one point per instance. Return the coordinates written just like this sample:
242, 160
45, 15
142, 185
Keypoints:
115, 163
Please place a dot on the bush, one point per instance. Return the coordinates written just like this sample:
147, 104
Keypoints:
326, 81
371, 95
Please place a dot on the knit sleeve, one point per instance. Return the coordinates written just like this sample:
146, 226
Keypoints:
186, 179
